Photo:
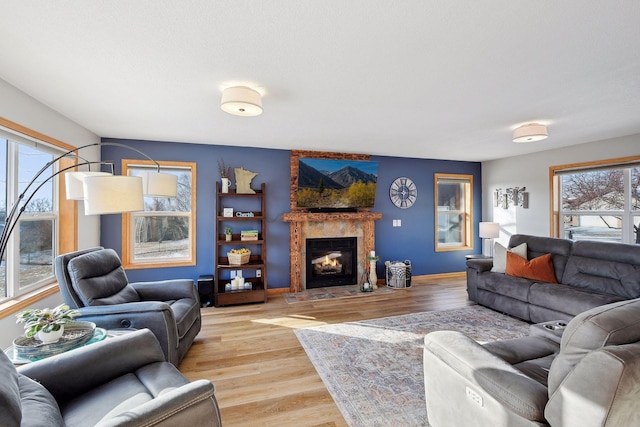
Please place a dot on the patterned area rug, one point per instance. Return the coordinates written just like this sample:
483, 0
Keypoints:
348, 291
373, 368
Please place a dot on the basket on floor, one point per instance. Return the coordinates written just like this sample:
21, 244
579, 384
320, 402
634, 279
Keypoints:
238, 259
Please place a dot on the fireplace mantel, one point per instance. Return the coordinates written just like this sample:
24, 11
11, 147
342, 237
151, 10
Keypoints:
300, 221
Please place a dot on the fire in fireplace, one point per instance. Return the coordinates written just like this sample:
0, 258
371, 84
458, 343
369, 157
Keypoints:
331, 262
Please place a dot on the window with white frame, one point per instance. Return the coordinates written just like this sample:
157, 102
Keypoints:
28, 261
599, 202
163, 234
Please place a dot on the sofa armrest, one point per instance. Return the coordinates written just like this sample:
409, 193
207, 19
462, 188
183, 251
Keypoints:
166, 290
601, 390
77, 371
153, 315
467, 362
191, 404
480, 264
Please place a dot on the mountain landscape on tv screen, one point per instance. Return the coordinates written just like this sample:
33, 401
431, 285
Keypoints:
324, 183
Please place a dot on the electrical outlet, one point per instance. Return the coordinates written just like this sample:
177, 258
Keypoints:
475, 397
397, 223
258, 273
233, 274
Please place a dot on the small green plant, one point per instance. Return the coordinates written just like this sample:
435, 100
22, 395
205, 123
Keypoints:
228, 230
45, 319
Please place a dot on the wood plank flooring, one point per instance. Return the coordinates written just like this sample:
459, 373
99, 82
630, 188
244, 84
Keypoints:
261, 373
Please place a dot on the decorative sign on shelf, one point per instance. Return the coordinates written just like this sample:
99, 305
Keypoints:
245, 214
227, 212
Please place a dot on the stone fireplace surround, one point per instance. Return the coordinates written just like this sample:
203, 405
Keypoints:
303, 225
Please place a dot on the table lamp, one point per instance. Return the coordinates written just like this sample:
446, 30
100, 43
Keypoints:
487, 232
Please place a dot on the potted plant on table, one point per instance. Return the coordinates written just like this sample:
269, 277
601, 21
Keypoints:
228, 231
47, 324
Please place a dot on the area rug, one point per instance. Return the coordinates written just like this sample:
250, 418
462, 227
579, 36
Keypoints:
348, 291
374, 369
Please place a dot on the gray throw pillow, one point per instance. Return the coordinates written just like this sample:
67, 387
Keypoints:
500, 256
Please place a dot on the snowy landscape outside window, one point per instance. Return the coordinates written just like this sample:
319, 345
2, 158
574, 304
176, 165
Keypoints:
163, 234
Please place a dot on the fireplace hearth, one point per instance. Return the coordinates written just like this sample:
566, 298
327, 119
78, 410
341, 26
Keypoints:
331, 262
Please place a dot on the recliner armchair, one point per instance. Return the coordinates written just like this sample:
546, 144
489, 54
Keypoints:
94, 282
120, 381
592, 378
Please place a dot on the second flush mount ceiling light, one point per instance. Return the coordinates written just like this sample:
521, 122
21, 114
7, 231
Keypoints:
530, 132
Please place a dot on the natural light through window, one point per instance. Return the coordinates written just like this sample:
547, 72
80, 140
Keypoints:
162, 234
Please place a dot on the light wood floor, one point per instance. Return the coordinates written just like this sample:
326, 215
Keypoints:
261, 373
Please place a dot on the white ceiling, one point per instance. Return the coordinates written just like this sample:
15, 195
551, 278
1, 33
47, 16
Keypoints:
441, 79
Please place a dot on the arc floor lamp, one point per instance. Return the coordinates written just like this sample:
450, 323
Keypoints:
102, 192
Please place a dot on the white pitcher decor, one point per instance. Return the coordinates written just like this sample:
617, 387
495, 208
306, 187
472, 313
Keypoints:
47, 324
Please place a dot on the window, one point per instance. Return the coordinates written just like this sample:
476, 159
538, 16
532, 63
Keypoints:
597, 201
163, 234
28, 261
453, 201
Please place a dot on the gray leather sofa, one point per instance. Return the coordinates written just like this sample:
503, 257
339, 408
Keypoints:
589, 274
590, 379
94, 282
121, 381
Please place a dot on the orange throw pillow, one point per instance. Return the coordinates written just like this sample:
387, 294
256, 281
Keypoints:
540, 268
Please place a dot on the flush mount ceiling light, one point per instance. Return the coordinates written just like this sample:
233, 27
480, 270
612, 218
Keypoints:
530, 132
241, 101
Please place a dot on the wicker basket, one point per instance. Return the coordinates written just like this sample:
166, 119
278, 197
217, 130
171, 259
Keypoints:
238, 259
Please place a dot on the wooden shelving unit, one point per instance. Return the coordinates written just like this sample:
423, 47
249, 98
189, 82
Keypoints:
255, 271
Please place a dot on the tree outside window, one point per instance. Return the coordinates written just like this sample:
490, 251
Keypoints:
161, 235
601, 203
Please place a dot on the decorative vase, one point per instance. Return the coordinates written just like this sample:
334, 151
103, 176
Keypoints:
225, 185
373, 276
227, 237
50, 337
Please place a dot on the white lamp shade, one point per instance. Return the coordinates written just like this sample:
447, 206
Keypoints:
112, 194
530, 132
73, 183
155, 184
241, 101
489, 230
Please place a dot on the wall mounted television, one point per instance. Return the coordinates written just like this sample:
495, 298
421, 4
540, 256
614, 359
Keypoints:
336, 184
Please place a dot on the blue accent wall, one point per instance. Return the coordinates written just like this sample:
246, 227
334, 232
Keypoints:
414, 240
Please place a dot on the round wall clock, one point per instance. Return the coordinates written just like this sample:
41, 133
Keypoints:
403, 192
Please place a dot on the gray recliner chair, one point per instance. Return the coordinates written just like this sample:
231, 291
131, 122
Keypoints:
94, 282
121, 381
592, 378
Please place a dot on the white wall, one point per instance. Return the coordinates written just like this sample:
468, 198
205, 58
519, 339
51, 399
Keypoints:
532, 171
26, 111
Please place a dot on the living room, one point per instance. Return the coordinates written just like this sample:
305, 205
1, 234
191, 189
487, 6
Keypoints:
476, 141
